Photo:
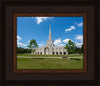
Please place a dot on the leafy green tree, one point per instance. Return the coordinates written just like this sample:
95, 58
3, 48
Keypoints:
33, 45
22, 50
82, 48
78, 50
70, 47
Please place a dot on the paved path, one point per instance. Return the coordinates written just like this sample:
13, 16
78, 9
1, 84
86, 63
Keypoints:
44, 57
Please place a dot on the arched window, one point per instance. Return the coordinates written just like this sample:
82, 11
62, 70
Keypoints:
53, 53
57, 53
41, 53
64, 53
60, 53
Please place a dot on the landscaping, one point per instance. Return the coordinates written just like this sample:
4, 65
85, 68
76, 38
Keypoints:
35, 62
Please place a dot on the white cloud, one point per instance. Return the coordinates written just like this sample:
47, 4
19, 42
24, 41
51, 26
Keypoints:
79, 44
41, 44
80, 24
41, 19
79, 37
19, 44
57, 41
69, 29
66, 40
18, 38
61, 45
28, 41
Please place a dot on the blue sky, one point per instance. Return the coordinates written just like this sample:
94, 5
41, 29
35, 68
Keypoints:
63, 29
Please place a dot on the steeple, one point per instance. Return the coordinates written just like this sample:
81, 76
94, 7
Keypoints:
50, 41
50, 32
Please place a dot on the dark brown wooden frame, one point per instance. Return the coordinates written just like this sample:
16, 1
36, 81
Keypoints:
9, 77
84, 70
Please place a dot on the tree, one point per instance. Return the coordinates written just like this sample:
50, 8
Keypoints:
78, 50
82, 48
33, 45
20, 50
23, 50
70, 47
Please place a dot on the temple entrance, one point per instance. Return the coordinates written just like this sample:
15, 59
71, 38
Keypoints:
46, 51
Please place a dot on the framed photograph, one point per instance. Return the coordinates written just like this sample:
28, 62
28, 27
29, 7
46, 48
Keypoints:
52, 43
63, 55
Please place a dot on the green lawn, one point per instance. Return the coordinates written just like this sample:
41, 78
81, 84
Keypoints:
49, 63
70, 55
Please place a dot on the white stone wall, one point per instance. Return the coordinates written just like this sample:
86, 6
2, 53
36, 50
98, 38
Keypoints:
58, 50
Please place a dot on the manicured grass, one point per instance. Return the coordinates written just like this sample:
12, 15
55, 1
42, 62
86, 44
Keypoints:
49, 63
70, 55
75, 55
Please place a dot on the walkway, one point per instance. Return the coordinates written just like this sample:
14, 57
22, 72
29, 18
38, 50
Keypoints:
44, 57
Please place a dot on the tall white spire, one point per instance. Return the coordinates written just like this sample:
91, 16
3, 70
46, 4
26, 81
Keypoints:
50, 41
50, 32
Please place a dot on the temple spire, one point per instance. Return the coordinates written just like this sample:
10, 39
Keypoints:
50, 32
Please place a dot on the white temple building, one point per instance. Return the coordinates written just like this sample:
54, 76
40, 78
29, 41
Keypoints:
50, 48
